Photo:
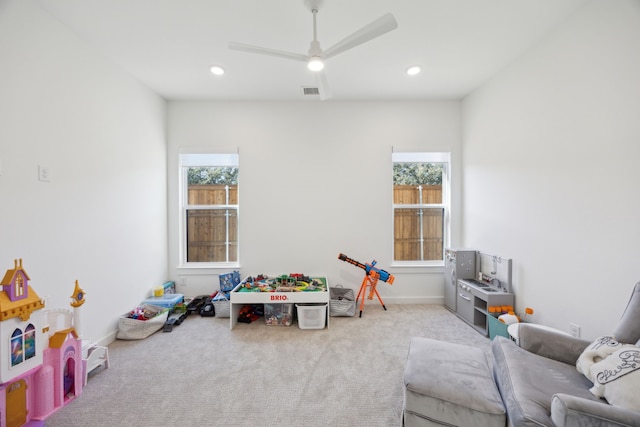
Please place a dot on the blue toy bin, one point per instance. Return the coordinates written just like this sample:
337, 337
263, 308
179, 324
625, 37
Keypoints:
496, 327
166, 300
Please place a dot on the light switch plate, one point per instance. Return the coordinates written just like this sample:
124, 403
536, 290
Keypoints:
43, 173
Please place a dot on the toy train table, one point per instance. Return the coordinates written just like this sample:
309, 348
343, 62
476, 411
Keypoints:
284, 289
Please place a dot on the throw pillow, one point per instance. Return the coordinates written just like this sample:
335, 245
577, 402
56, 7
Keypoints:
617, 378
595, 352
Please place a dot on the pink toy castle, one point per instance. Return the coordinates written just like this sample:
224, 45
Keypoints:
41, 366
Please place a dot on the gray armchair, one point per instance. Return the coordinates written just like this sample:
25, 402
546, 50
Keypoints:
540, 385
532, 383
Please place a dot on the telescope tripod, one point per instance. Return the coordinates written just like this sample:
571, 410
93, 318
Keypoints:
371, 280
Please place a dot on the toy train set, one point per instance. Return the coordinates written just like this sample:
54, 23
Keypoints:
293, 282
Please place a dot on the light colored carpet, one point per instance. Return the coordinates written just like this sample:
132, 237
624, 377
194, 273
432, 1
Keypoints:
202, 373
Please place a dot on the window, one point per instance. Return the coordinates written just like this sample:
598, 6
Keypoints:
19, 286
29, 342
420, 207
16, 347
23, 345
209, 209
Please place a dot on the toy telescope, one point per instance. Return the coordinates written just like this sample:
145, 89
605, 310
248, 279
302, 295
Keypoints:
382, 275
371, 277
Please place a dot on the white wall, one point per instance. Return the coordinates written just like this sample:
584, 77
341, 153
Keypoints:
551, 149
550, 152
102, 217
315, 180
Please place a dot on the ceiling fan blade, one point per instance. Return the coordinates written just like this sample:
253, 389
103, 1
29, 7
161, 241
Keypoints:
376, 28
271, 52
323, 85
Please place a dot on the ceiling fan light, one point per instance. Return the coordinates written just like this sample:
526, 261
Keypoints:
413, 70
315, 63
216, 70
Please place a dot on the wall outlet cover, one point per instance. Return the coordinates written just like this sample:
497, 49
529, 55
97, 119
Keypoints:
574, 330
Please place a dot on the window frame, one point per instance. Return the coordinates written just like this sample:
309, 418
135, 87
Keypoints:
424, 157
200, 158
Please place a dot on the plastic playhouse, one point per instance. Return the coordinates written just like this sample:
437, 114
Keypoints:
41, 357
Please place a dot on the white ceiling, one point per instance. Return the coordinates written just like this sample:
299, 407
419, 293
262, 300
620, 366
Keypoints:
169, 45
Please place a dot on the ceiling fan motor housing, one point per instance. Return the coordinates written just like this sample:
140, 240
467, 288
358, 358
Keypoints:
315, 50
313, 4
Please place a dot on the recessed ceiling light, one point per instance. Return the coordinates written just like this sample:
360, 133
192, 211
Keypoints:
413, 70
217, 70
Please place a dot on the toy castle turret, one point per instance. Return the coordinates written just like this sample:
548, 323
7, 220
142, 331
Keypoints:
77, 299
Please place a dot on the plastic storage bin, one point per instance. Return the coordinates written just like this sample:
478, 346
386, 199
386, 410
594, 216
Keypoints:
166, 300
496, 327
312, 316
278, 314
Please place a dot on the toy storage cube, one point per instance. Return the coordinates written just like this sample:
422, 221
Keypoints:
222, 308
311, 316
278, 314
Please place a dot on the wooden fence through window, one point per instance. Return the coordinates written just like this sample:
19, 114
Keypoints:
207, 228
418, 233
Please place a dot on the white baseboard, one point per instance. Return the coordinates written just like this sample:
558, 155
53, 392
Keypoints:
108, 339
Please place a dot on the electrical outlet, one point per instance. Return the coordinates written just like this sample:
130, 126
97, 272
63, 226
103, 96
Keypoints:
574, 330
182, 281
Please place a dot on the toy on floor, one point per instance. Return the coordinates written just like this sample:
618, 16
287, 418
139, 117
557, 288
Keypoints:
178, 314
208, 309
371, 277
194, 305
174, 319
41, 358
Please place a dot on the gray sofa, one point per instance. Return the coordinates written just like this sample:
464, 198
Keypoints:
536, 379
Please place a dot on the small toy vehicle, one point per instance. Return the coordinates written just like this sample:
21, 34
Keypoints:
196, 304
174, 320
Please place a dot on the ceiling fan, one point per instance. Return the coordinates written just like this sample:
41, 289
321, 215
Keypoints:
316, 56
